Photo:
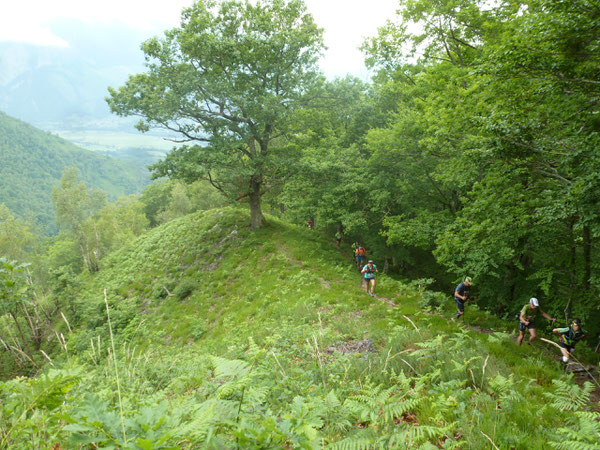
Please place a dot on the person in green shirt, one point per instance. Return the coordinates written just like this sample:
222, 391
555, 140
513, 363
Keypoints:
568, 337
527, 319
355, 246
338, 238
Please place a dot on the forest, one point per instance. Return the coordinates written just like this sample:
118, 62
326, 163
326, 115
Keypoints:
32, 161
202, 313
472, 152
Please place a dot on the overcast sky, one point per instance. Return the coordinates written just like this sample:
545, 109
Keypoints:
346, 22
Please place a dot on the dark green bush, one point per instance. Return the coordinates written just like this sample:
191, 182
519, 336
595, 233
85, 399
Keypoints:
185, 288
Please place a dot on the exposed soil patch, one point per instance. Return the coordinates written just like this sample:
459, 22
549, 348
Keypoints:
364, 346
325, 309
479, 329
355, 315
389, 302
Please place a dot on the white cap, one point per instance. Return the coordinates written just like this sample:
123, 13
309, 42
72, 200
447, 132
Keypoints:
534, 301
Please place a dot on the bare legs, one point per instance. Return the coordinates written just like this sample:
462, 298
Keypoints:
532, 336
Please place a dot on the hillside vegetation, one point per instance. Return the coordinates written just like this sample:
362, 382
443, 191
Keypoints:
227, 338
32, 161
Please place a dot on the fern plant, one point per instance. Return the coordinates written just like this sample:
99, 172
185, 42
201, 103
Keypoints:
583, 433
27, 403
569, 396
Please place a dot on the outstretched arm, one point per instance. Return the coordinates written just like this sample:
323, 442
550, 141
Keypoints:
551, 319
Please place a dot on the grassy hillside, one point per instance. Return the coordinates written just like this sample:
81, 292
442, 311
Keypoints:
32, 161
227, 338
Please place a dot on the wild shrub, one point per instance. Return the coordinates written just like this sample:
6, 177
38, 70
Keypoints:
185, 288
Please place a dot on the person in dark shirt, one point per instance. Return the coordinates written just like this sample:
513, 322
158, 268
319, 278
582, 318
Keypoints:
568, 337
461, 295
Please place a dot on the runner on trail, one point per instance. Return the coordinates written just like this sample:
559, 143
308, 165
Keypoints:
461, 295
309, 224
568, 337
527, 319
354, 246
369, 271
360, 256
338, 238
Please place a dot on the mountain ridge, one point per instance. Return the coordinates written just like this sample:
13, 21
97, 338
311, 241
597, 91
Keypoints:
32, 161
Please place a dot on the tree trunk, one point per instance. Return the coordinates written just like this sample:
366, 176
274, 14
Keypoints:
36, 335
257, 219
572, 271
587, 256
23, 339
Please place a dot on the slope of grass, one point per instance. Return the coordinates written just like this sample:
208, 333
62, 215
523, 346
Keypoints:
229, 338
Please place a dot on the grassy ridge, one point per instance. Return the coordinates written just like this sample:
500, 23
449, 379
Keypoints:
230, 338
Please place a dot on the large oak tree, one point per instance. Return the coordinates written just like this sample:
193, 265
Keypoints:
229, 82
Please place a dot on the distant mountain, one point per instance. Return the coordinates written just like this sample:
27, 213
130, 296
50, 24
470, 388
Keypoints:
64, 87
32, 161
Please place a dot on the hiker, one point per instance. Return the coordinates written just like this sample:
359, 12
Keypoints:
461, 295
309, 224
568, 337
360, 256
369, 271
354, 247
338, 238
527, 319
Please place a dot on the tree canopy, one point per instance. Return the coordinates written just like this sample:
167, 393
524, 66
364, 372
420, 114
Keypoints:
230, 83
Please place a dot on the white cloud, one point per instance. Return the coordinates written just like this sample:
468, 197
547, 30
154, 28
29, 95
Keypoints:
28, 20
346, 22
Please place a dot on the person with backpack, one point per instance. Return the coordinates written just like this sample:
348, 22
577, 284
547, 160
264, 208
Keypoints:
309, 224
527, 319
338, 238
369, 272
568, 337
461, 295
361, 255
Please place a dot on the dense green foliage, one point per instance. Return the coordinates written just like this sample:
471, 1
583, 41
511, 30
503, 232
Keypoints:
158, 322
474, 152
90, 229
225, 337
32, 161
